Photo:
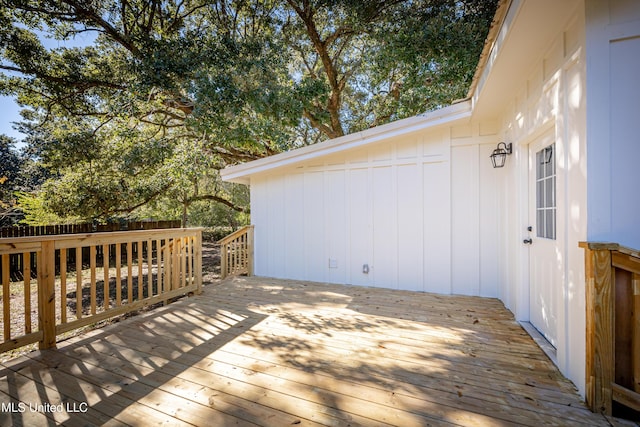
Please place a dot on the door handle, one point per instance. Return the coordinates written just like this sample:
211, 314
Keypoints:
527, 241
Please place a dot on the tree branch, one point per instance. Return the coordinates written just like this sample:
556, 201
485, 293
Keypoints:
215, 198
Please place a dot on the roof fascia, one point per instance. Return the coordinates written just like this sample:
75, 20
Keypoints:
491, 46
241, 173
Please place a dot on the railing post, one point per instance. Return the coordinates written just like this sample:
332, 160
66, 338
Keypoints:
223, 261
599, 328
197, 261
636, 332
46, 295
250, 251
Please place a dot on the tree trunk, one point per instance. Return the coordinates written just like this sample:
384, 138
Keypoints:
185, 207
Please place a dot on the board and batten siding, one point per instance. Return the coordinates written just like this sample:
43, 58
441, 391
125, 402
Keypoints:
550, 101
613, 67
396, 206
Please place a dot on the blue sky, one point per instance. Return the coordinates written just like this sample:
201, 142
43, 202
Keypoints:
9, 112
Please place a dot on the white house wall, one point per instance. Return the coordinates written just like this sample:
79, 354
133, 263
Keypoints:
391, 207
425, 211
550, 101
613, 111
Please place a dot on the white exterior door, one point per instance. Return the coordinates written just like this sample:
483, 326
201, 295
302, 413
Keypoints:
545, 256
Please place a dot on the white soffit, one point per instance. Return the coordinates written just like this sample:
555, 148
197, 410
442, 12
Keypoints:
241, 173
527, 32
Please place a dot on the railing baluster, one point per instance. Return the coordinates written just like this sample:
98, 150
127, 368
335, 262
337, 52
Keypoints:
140, 273
183, 262
159, 266
190, 244
176, 264
26, 276
237, 252
92, 269
6, 297
167, 265
118, 274
79, 283
105, 268
197, 262
129, 274
636, 332
149, 268
63, 285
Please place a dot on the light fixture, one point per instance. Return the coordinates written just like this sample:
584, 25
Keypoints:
499, 155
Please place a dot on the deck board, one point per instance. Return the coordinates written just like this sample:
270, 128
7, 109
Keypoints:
255, 351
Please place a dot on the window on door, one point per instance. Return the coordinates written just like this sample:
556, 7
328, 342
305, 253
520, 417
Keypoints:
546, 192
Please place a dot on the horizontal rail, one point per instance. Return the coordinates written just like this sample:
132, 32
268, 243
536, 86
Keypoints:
18, 244
626, 397
72, 281
233, 236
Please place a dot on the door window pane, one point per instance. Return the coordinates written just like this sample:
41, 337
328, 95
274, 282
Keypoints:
546, 193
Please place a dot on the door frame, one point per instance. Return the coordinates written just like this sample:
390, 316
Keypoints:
542, 141
523, 303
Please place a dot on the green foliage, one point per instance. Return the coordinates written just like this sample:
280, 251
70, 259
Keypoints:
35, 212
18, 173
166, 93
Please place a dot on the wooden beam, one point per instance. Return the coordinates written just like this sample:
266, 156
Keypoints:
118, 274
197, 261
26, 339
182, 273
625, 262
78, 283
105, 276
6, 297
63, 285
139, 245
223, 260
46, 295
250, 249
159, 268
626, 397
129, 273
234, 235
636, 332
26, 275
599, 334
92, 270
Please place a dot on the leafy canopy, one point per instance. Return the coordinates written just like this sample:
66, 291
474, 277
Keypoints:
167, 92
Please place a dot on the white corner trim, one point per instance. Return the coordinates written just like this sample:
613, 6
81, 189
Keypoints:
241, 173
541, 341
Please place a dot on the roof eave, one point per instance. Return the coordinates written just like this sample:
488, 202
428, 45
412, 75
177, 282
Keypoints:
241, 173
492, 36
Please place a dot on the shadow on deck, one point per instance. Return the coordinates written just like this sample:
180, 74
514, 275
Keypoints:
255, 351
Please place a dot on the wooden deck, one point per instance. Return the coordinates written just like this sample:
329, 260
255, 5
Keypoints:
253, 351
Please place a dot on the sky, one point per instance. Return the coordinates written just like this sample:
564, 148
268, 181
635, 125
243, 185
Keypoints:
9, 112
9, 109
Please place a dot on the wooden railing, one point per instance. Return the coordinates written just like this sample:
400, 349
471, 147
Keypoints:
46, 230
236, 253
613, 326
126, 271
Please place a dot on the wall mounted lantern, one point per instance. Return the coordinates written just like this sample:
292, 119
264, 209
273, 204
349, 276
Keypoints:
499, 155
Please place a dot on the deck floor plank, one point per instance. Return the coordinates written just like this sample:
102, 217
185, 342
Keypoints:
256, 351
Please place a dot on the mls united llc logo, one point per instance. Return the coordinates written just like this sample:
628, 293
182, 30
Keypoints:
21, 407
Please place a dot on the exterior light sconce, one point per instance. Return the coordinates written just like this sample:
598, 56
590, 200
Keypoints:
499, 155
